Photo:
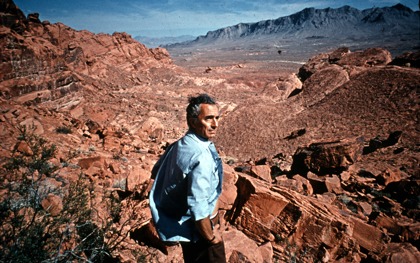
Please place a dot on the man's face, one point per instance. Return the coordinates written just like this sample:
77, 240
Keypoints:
206, 123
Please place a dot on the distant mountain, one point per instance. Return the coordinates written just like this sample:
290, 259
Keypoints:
153, 42
341, 23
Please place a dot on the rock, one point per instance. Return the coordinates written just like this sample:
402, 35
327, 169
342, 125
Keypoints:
405, 192
323, 82
262, 172
281, 214
388, 176
24, 148
229, 191
367, 57
297, 183
314, 64
115, 167
239, 248
333, 184
366, 208
34, 18
33, 124
400, 252
152, 129
284, 88
266, 251
52, 204
137, 177
409, 59
368, 236
96, 161
377, 143
328, 157
317, 182
338, 54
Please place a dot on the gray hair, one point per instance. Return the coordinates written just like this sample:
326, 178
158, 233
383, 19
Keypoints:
193, 108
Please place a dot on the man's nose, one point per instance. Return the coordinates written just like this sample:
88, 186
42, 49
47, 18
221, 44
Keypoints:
215, 123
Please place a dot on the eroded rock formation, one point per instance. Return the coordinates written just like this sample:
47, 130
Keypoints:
320, 166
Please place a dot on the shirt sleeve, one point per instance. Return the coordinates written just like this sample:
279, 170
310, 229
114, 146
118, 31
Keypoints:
199, 190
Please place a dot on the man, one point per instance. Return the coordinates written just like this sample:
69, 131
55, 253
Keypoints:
188, 183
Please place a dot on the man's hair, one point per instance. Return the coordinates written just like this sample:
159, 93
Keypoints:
193, 108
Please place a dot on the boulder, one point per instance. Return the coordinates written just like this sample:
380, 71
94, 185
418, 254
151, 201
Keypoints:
228, 196
367, 57
408, 59
323, 82
95, 161
262, 172
152, 129
399, 253
295, 223
239, 248
314, 64
297, 183
327, 157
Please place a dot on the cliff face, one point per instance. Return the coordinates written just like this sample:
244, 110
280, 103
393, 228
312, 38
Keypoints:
392, 26
39, 56
329, 22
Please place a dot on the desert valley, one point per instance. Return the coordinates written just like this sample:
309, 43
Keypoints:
319, 136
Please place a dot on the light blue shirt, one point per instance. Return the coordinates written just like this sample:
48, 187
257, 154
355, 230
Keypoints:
187, 185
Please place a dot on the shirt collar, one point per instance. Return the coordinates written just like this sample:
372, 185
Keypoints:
199, 138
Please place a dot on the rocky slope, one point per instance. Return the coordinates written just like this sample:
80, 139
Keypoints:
320, 165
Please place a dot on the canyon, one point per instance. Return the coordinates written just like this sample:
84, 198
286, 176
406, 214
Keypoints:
320, 143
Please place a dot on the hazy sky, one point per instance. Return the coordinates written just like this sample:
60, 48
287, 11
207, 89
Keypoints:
157, 18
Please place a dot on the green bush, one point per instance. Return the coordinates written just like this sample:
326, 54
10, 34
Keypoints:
29, 233
63, 129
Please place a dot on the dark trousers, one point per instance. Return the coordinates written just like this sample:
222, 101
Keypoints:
203, 252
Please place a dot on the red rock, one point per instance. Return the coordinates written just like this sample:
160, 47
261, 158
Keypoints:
324, 82
239, 248
262, 172
298, 184
400, 252
366, 208
152, 129
261, 213
333, 184
52, 204
367, 57
229, 191
389, 176
409, 59
137, 177
97, 161
115, 167
368, 236
328, 157
24, 148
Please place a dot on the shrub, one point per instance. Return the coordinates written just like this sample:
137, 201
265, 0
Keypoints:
63, 129
29, 233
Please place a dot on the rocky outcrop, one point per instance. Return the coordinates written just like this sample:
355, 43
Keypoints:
320, 165
298, 225
409, 59
44, 61
340, 162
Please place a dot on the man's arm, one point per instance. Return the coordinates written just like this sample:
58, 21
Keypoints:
205, 228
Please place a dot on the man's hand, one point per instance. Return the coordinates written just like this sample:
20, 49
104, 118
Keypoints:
217, 235
206, 230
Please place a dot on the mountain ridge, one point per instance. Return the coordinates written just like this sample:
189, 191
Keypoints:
344, 22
